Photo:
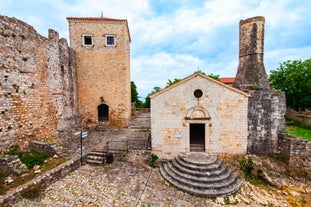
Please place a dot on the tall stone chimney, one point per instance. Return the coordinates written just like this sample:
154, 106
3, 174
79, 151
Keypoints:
251, 74
266, 107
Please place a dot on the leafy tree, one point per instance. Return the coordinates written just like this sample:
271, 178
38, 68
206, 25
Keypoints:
134, 95
171, 82
147, 99
294, 78
216, 77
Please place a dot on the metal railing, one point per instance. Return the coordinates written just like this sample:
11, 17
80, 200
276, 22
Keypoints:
126, 145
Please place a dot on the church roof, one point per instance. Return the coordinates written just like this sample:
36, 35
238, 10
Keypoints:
227, 80
194, 75
101, 19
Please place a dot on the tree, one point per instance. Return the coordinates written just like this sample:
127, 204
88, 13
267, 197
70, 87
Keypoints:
171, 82
294, 78
216, 77
134, 95
147, 99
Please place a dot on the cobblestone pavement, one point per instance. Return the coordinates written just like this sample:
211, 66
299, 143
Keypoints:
131, 182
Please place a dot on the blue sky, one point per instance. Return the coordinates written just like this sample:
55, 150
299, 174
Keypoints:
173, 38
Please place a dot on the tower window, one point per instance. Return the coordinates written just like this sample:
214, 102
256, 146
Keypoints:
110, 40
87, 40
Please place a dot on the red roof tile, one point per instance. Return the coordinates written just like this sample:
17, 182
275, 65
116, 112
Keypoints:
227, 80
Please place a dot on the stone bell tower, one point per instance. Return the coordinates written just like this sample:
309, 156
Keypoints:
266, 107
102, 47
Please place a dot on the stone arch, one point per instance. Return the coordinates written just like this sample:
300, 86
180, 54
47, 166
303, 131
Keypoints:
197, 112
103, 112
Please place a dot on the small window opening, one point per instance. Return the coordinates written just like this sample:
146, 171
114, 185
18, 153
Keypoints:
198, 93
110, 40
87, 40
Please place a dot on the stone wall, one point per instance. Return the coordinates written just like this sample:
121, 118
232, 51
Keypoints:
37, 82
295, 151
303, 117
266, 110
266, 107
45, 180
103, 72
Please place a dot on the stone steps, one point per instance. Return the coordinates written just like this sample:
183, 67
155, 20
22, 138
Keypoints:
200, 174
99, 157
197, 148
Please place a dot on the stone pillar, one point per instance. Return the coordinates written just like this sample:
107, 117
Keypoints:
251, 72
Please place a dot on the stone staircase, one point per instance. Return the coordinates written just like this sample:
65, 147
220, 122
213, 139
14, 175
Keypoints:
200, 174
102, 126
99, 157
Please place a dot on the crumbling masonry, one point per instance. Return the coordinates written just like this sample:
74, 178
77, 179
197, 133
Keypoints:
266, 107
37, 81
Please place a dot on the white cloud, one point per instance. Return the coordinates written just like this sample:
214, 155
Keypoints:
154, 70
183, 36
275, 57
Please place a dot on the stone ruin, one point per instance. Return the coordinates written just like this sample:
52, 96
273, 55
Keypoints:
38, 99
266, 107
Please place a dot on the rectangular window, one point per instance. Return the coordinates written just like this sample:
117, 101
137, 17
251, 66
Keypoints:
87, 40
110, 40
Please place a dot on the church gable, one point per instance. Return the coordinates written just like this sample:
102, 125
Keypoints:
199, 106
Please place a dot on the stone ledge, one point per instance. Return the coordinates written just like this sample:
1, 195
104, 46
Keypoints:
14, 195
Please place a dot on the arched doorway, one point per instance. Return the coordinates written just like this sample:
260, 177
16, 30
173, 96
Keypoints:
103, 112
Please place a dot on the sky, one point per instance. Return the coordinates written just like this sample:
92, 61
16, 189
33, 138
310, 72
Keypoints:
174, 38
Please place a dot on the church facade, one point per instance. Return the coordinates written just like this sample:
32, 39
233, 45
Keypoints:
199, 113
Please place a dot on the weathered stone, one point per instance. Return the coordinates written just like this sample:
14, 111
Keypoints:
103, 71
36, 85
266, 108
8, 180
11, 164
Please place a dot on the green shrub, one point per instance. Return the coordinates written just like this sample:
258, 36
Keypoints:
153, 159
247, 165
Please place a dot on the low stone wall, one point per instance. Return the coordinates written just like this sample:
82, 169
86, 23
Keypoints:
303, 117
295, 151
43, 147
11, 164
45, 180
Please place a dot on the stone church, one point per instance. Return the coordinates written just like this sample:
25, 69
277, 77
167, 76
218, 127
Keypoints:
201, 114
48, 88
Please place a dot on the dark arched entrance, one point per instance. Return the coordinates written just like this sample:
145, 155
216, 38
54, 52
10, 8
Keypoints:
103, 112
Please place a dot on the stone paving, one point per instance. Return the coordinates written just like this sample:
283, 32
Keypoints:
131, 182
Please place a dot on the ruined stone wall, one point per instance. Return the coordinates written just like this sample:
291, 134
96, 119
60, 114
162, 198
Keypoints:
103, 72
36, 81
251, 71
266, 110
303, 116
295, 151
266, 107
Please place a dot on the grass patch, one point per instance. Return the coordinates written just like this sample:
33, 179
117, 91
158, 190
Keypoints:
33, 192
22, 179
298, 129
29, 158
